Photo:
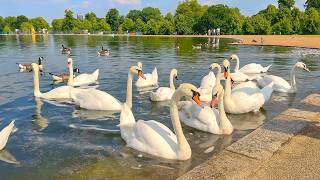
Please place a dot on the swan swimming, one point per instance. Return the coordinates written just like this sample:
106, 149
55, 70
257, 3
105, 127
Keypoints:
165, 93
149, 80
252, 68
82, 79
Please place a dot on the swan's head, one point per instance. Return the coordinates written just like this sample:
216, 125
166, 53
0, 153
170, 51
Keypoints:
139, 65
76, 70
302, 66
137, 70
174, 73
40, 60
234, 56
190, 91
35, 67
226, 66
217, 92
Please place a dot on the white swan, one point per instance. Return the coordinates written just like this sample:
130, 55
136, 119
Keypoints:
62, 92
251, 68
5, 133
207, 119
155, 138
94, 99
150, 79
281, 85
245, 98
206, 86
82, 79
165, 93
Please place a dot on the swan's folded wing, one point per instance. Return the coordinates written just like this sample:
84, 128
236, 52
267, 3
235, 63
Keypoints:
62, 92
126, 116
252, 68
208, 81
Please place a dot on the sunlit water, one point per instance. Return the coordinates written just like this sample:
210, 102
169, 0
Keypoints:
61, 141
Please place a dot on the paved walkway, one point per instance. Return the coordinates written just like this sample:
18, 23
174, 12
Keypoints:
287, 147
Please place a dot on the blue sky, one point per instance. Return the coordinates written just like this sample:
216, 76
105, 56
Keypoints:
51, 9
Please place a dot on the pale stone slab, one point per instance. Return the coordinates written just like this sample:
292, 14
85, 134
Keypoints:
313, 99
301, 114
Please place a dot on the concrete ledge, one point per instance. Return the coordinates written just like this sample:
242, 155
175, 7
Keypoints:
244, 157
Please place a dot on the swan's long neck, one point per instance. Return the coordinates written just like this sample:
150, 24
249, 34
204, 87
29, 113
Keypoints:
171, 85
227, 88
237, 65
225, 124
218, 78
184, 148
129, 90
293, 78
70, 80
36, 84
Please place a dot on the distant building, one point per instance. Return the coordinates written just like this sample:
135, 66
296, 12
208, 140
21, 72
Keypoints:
80, 16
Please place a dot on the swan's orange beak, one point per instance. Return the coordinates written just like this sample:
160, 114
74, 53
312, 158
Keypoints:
225, 72
196, 99
140, 74
214, 101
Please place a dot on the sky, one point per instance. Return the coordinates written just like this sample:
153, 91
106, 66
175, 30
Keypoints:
51, 9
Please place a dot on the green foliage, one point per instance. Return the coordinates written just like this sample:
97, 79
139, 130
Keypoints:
112, 18
270, 13
26, 27
260, 24
6, 29
312, 22
2, 23
68, 21
183, 24
297, 21
152, 27
134, 15
312, 4
127, 25
39, 23
140, 26
20, 19
286, 3
149, 13
10, 21
283, 27
57, 24
247, 27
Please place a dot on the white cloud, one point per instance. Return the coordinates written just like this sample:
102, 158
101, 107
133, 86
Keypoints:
127, 2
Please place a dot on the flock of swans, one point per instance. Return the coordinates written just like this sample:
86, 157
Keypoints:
194, 106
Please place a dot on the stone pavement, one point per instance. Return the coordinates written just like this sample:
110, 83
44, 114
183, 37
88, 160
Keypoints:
287, 147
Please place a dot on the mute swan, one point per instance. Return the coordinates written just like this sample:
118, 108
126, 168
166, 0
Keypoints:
281, 85
165, 93
245, 98
5, 133
206, 86
63, 76
28, 67
65, 50
207, 119
251, 68
104, 52
82, 79
62, 92
150, 79
155, 138
94, 99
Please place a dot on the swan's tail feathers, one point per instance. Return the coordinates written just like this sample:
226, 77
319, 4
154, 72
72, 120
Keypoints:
265, 69
96, 74
126, 116
267, 91
155, 74
20, 65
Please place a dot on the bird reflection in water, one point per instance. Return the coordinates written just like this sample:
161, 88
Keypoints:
40, 121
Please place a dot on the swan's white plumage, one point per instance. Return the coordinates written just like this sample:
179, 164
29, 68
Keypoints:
280, 85
85, 79
254, 68
151, 79
162, 94
5, 133
205, 89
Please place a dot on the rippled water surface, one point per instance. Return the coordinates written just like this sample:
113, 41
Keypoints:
61, 141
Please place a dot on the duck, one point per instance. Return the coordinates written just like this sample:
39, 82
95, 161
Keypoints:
5, 133
65, 50
103, 52
28, 67
63, 76
150, 79
207, 119
197, 46
94, 99
252, 68
281, 85
82, 79
207, 84
165, 93
155, 138
59, 93
247, 97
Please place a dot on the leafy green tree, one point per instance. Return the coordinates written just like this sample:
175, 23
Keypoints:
270, 13
20, 19
134, 15
140, 26
149, 13
166, 27
91, 16
312, 22
152, 27
127, 25
261, 25
103, 25
10, 21
68, 21
247, 27
283, 27
57, 24
297, 22
112, 18
6, 29
26, 27
286, 3
183, 24
312, 4
39, 23
2, 23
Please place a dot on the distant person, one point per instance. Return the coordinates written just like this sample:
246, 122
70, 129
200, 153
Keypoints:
218, 31
209, 32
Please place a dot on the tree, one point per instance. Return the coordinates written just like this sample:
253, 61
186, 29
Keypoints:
68, 21
166, 27
91, 16
26, 27
247, 27
152, 27
140, 26
134, 15
286, 3
270, 13
112, 18
39, 23
6, 29
2, 23
10, 21
283, 27
103, 25
127, 25
312, 4
149, 13
312, 22
297, 22
20, 19
261, 25
57, 24
183, 24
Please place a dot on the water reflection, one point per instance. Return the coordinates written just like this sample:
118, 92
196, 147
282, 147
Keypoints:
41, 122
7, 157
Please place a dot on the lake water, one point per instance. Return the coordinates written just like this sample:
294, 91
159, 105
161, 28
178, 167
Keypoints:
59, 141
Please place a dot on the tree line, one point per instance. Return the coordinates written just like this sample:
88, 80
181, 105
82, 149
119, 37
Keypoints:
190, 18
